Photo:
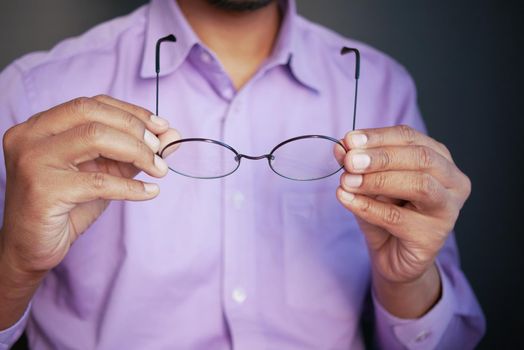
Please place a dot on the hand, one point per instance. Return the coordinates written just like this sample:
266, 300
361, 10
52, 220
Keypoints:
406, 193
63, 167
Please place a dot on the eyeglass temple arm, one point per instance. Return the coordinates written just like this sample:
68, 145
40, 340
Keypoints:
346, 50
343, 51
171, 38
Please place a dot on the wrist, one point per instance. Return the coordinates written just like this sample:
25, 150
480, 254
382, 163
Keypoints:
17, 287
12, 270
411, 299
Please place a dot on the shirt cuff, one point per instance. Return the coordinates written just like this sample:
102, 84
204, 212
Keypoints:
421, 333
10, 335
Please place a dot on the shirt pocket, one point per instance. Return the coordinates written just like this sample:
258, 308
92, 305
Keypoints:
326, 263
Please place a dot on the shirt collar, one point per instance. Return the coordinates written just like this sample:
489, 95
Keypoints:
165, 17
290, 50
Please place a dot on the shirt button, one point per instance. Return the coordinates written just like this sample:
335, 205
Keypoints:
238, 200
205, 57
239, 295
422, 336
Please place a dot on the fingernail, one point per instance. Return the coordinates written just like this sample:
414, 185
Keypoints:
151, 188
158, 121
151, 140
160, 164
352, 180
360, 161
347, 196
358, 140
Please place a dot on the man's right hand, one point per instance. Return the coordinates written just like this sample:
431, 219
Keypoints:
63, 167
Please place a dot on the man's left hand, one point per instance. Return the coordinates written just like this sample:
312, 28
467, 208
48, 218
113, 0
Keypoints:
406, 193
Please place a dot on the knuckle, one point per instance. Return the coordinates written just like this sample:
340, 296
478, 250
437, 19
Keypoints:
443, 149
366, 206
93, 132
379, 181
34, 121
101, 97
132, 186
391, 215
425, 185
98, 180
9, 139
385, 158
379, 138
425, 157
83, 105
132, 124
140, 111
467, 187
407, 134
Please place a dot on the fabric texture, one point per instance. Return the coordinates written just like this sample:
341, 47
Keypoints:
250, 261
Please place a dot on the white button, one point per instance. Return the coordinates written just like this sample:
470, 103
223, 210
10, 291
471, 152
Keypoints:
422, 336
205, 57
238, 200
239, 295
228, 93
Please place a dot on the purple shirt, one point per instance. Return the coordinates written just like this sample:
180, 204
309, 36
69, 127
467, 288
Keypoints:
250, 261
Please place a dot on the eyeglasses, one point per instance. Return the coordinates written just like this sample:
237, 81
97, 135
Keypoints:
301, 158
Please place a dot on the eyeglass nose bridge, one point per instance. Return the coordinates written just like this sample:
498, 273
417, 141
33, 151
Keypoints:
269, 157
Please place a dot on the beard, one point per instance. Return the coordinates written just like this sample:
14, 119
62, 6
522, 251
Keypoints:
240, 5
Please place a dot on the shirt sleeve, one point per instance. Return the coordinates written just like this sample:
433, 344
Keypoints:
10, 335
14, 108
456, 321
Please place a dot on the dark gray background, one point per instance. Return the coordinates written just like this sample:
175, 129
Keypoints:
464, 56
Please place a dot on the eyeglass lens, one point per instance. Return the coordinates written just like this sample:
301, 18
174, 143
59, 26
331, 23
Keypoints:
305, 158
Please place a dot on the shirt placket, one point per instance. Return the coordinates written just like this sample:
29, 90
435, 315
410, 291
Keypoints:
239, 288
238, 239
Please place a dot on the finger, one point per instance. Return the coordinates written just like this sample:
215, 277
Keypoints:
419, 188
401, 135
86, 187
85, 110
385, 199
171, 135
154, 123
340, 152
91, 141
104, 164
390, 217
415, 158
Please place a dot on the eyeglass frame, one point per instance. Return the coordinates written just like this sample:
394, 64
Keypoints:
238, 156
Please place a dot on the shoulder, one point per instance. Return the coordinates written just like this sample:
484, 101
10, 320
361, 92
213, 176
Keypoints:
99, 40
325, 45
387, 92
80, 66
